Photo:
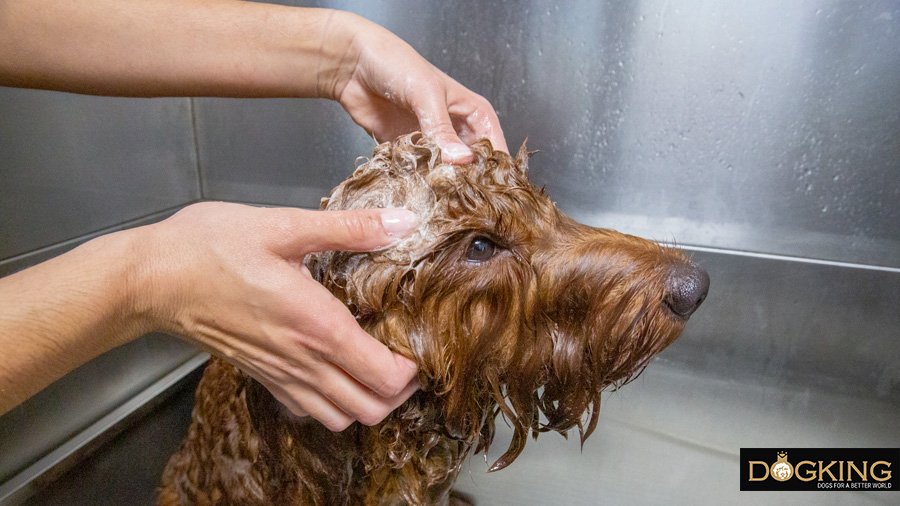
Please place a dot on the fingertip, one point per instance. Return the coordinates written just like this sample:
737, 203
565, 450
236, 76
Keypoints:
352, 230
295, 413
398, 223
337, 424
409, 378
411, 388
456, 153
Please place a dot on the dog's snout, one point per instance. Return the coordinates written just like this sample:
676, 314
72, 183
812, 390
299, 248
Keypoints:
688, 285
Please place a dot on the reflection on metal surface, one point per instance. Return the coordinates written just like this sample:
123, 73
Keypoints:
282, 151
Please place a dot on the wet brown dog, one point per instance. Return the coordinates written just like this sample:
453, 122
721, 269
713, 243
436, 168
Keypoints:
507, 305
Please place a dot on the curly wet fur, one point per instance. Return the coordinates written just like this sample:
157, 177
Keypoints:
560, 313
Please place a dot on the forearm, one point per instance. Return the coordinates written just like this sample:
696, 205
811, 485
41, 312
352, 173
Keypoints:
60, 314
173, 47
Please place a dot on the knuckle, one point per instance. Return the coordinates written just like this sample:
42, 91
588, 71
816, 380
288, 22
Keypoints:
372, 416
327, 332
359, 227
433, 82
339, 329
438, 86
391, 387
336, 424
480, 102
296, 410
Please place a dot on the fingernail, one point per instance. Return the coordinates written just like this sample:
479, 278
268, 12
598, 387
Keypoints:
398, 222
456, 152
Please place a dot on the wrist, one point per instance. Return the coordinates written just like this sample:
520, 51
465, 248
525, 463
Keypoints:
339, 52
134, 300
94, 283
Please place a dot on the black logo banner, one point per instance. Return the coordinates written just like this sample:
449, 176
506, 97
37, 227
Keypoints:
820, 469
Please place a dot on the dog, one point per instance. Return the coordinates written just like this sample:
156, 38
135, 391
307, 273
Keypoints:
509, 307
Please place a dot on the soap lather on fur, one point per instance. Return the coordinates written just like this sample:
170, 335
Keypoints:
511, 309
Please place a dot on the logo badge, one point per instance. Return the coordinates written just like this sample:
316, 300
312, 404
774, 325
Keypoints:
848, 469
782, 470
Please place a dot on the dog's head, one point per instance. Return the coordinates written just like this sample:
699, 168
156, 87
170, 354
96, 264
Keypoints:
499, 296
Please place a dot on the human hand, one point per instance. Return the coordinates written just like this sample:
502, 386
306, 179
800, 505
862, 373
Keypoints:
390, 90
244, 49
230, 278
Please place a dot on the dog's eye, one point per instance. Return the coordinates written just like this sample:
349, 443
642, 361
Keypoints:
480, 250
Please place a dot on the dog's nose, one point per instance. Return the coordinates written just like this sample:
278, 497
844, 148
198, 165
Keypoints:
687, 288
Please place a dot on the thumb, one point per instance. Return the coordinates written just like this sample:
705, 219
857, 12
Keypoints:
355, 230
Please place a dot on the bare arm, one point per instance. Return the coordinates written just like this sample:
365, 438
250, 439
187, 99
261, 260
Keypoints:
170, 47
63, 312
240, 49
226, 277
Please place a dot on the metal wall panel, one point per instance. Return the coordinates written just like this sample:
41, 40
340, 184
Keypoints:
827, 326
276, 151
73, 164
759, 126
